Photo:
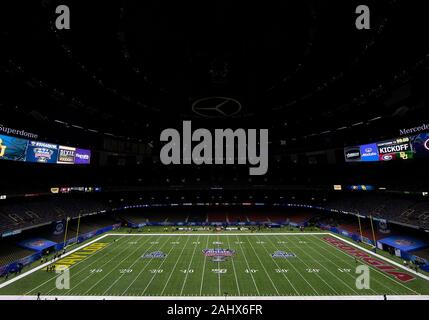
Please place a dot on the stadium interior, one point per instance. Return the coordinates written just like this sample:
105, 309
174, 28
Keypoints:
127, 70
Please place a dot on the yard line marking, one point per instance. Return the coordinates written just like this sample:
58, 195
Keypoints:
248, 267
189, 266
86, 266
137, 260
349, 264
153, 277
114, 268
57, 275
386, 276
174, 267
271, 280
381, 257
324, 267
4, 284
274, 260
233, 267
144, 268
292, 265
204, 267
241, 234
316, 273
218, 266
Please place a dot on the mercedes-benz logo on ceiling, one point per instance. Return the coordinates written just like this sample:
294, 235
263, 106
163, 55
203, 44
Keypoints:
216, 107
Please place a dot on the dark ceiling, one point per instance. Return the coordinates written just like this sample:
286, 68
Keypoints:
130, 67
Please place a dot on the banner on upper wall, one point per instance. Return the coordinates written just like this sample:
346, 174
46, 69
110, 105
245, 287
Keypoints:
82, 156
12, 148
66, 155
59, 227
403, 148
16, 149
395, 149
383, 227
42, 152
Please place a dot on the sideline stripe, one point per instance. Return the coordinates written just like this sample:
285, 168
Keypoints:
50, 262
220, 234
401, 297
382, 257
171, 298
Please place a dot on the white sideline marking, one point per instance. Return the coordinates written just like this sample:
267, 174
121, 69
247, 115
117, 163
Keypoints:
48, 263
391, 297
374, 297
220, 234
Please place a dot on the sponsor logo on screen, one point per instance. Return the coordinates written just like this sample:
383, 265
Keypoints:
369, 152
388, 157
82, 156
353, 154
394, 146
42, 152
66, 155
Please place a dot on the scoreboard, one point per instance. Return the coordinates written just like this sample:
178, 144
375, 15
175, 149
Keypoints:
396, 149
16, 149
403, 148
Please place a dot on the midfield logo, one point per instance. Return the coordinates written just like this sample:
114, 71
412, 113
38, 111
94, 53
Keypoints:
218, 252
283, 255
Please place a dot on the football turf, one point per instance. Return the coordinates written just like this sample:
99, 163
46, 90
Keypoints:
173, 265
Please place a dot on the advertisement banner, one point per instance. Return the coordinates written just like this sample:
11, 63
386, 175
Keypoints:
66, 155
59, 227
82, 156
383, 227
395, 149
13, 149
369, 152
352, 154
42, 152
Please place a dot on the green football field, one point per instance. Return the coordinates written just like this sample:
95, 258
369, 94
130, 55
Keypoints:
236, 265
